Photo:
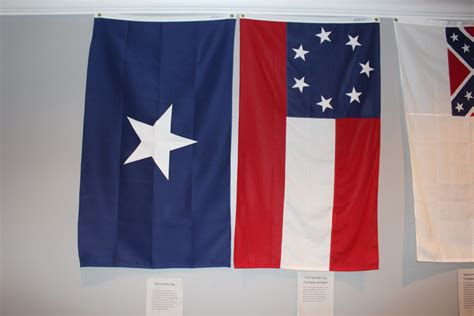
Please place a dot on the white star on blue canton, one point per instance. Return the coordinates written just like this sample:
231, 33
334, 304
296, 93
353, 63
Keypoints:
354, 95
353, 42
366, 69
300, 84
325, 103
157, 141
324, 35
300, 52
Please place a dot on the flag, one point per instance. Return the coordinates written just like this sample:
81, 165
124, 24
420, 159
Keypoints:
309, 142
155, 172
436, 65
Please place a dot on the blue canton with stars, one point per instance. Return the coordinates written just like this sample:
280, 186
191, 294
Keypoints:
333, 70
462, 45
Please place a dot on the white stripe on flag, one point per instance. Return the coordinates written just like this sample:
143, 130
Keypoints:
309, 188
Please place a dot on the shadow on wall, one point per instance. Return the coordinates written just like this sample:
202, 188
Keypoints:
91, 277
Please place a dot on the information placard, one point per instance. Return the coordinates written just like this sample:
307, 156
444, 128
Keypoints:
315, 293
164, 297
466, 292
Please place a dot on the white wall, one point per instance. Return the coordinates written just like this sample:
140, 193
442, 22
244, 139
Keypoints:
43, 73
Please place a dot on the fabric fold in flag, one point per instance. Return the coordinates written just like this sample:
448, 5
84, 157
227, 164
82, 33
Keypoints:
155, 172
309, 142
437, 76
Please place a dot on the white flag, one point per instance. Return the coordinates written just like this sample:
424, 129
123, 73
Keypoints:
436, 64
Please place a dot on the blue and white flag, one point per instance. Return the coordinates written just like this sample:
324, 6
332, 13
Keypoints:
155, 173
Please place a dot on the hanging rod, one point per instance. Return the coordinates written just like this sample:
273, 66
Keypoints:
236, 11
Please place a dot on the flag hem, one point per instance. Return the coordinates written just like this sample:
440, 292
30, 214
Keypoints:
446, 260
310, 19
433, 22
165, 18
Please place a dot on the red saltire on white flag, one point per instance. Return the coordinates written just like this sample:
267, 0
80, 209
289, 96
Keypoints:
436, 65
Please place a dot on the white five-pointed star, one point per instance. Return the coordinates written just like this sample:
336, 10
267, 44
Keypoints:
366, 69
459, 107
454, 37
465, 48
300, 84
157, 141
468, 95
325, 103
324, 36
353, 41
354, 95
300, 52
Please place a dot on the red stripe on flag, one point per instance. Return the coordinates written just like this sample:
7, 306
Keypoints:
261, 157
354, 242
457, 71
